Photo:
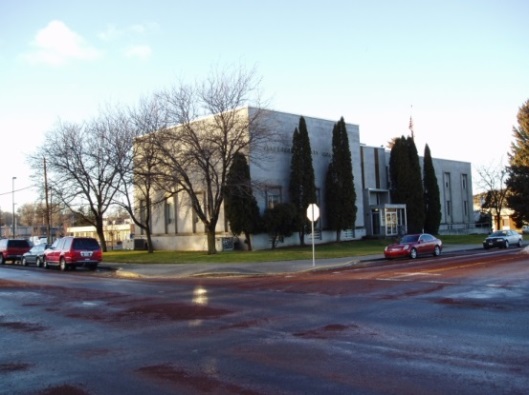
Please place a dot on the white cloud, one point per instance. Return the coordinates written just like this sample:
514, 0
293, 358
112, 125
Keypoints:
57, 44
138, 51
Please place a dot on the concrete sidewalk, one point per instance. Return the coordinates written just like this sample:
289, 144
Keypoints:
181, 270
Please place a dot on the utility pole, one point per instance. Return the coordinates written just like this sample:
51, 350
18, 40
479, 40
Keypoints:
14, 223
48, 225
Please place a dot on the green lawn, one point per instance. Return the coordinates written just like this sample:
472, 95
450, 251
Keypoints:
332, 250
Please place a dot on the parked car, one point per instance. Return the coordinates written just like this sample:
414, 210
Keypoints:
413, 245
13, 249
503, 239
35, 255
71, 252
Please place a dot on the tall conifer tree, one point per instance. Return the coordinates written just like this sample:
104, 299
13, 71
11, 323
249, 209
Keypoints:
518, 169
340, 194
432, 199
301, 188
406, 182
240, 206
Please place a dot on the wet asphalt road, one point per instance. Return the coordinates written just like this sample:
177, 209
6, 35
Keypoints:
438, 326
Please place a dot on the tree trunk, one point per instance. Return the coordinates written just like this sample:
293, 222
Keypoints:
498, 222
302, 238
102, 241
150, 248
248, 240
211, 240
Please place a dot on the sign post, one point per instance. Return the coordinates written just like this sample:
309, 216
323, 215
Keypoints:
313, 213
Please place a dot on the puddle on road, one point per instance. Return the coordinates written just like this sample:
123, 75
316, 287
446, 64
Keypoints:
200, 296
492, 291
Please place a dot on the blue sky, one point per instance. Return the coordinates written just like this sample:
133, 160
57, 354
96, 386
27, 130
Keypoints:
460, 68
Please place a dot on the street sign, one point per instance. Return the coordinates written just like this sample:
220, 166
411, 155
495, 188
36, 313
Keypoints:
313, 212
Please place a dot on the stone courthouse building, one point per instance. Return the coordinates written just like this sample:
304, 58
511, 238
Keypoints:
175, 227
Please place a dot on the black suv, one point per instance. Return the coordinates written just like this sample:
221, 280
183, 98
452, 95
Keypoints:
13, 249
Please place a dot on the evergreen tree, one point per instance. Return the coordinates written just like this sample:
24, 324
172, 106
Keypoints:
518, 169
279, 221
332, 199
240, 205
301, 188
406, 182
340, 194
432, 198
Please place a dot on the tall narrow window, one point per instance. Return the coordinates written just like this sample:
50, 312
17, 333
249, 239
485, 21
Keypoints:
202, 201
169, 215
143, 214
273, 196
377, 168
448, 208
363, 167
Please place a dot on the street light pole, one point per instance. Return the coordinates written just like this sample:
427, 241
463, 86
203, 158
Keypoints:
13, 192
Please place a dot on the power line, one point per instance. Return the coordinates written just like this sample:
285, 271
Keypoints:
16, 190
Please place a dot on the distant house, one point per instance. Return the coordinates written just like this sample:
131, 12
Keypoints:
117, 233
175, 226
506, 221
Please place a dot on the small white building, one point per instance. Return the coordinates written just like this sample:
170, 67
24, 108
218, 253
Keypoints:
118, 234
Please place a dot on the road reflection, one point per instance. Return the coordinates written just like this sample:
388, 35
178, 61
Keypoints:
200, 295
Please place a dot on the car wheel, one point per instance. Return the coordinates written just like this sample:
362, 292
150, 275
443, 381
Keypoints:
24, 262
506, 244
519, 243
436, 251
38, 262
45, 264
413, 253
63, 265
2, 260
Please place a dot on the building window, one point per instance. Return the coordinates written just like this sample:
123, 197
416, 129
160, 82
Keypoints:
447, 180
448, 208
377, 167
363, 167
464, 182
201, 196
169, 214
143, 214
273, 196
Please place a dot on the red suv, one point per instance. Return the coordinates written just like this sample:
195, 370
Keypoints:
71, 252
13, 249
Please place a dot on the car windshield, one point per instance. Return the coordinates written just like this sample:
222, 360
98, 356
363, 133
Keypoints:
499, 233
409, 238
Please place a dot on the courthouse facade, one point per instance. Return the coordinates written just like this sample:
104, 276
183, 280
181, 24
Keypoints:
175, 227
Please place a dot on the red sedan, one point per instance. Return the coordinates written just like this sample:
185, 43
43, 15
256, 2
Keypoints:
414, 245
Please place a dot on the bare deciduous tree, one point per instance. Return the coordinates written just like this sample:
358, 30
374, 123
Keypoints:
137, 163
492, 183
197, 152
81, 175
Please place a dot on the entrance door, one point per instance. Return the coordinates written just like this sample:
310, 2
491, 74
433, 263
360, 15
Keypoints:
392, 222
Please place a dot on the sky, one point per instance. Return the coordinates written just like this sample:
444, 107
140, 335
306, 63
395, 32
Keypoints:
460, 68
